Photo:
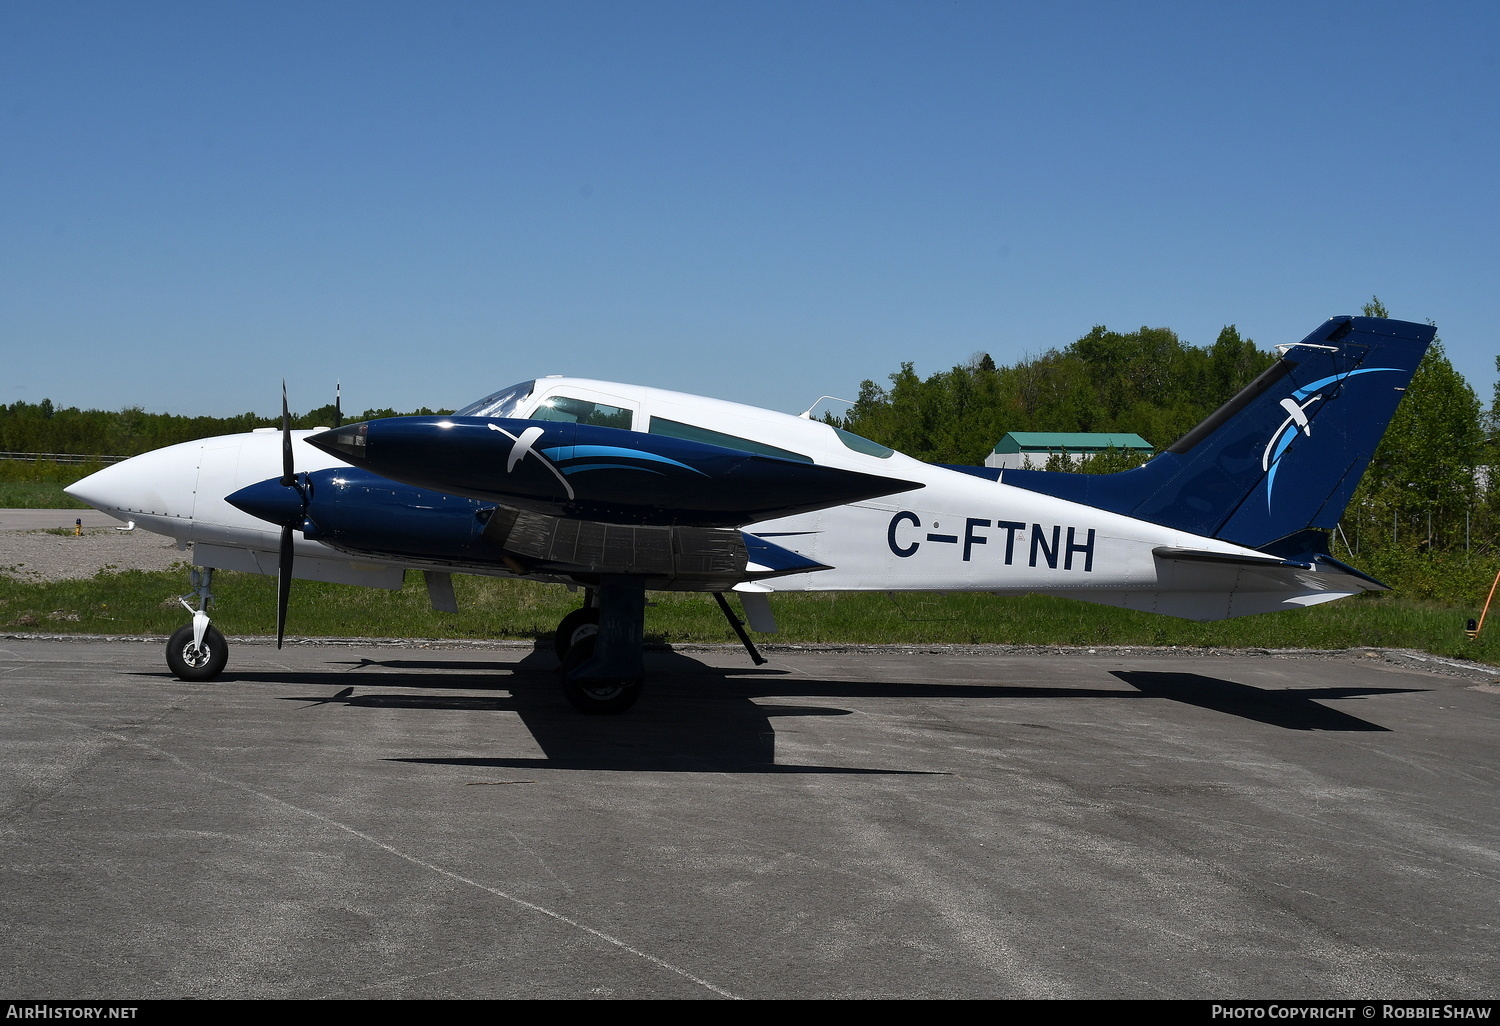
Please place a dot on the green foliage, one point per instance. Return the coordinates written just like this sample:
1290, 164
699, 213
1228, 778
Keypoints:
1110, 460
1453, 578
41, 428
38, 484
1426, 462
1423, 485
27, 427
45, 472
42, 495
1147, 381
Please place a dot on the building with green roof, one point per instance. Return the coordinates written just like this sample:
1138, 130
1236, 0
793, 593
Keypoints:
1030, 449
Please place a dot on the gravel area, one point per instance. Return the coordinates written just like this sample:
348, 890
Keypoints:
45, 556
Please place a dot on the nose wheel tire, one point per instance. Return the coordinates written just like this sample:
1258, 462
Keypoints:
593, 695
577, 625
197, 663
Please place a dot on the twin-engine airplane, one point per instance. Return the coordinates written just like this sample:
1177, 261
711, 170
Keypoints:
618, 489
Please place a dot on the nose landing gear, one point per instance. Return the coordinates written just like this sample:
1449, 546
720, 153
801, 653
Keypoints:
197, 651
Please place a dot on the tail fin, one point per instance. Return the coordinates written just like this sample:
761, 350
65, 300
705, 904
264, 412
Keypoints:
1280, 458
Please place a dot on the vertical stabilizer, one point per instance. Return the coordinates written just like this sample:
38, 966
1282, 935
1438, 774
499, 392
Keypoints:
1280, 458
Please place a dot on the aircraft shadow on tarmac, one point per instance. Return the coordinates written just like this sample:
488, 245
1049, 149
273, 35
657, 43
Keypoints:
694, 718
699, 718
1292, 708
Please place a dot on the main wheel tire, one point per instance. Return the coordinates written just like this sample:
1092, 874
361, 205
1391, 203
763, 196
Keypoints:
577, 625
597, 696
190, 662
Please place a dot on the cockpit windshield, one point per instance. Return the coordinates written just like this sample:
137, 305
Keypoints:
503, 403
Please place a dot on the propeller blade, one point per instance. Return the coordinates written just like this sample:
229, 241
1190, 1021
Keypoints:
283, 582
288, 475
338, 404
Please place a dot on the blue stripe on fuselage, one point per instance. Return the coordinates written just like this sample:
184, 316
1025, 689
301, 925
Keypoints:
569, 452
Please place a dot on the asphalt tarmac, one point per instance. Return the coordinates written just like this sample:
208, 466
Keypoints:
331, 821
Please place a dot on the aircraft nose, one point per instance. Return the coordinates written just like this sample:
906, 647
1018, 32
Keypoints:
270, 500
85, 489
156, 484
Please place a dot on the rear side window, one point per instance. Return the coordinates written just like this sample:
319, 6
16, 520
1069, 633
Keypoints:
582, 411
859, 443
689, 433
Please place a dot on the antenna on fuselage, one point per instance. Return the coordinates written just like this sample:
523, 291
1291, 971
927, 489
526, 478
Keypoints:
807, 413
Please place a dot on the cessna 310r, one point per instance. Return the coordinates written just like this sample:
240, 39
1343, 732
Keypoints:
620, 489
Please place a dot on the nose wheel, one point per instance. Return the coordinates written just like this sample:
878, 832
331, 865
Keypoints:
197, 660
197, 651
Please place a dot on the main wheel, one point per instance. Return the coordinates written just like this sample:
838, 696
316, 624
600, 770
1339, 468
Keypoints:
597, 696
577, 625
192, 662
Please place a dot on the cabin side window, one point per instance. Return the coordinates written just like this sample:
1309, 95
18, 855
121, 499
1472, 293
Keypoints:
568, 410
690, 433
859, 443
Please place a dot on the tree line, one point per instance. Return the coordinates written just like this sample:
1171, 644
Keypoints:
42, 428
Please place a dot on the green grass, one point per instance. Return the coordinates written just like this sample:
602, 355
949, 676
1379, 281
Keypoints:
36, 495
136, 602
39, 485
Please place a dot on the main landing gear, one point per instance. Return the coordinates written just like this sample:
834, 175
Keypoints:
197, 651
601, 645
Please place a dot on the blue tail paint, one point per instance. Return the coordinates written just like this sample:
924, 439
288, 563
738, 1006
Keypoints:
1278, 460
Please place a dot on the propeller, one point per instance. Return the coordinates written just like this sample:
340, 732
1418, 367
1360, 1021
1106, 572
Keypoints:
283, 502
338, 403
284, 558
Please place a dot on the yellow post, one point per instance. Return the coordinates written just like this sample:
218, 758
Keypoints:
78, 526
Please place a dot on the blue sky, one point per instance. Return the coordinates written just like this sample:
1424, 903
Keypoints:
761, 201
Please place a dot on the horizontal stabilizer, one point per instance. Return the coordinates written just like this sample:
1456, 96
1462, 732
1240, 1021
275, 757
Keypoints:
1229, 558
1201, 584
